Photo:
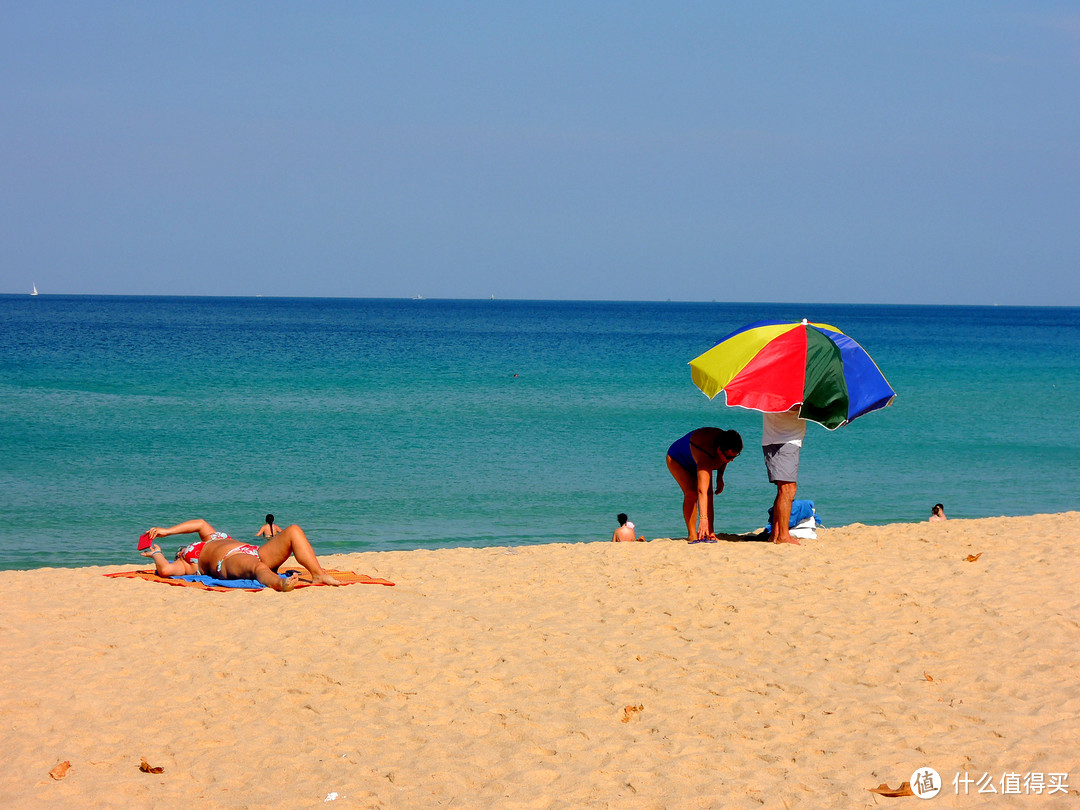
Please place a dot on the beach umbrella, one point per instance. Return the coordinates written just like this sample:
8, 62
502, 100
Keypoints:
772, 366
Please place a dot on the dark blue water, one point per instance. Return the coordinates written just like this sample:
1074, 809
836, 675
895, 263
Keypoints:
386, 424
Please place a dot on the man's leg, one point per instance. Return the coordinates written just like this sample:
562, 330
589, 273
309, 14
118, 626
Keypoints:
785, 494
782, 462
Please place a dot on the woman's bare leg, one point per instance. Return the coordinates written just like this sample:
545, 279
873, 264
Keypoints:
272, 579
247, 566
712, 515
688, 486
166, 568
292, 540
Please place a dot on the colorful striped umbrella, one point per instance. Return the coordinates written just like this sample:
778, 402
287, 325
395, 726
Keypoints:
772, 366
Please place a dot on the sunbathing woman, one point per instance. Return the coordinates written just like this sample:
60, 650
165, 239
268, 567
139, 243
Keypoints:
217, 555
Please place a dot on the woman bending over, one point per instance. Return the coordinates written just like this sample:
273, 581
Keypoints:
692, 461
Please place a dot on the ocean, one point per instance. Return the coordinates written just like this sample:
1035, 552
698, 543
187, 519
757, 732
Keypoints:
404, 424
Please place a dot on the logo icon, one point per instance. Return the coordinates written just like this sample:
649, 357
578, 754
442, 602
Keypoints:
925, 783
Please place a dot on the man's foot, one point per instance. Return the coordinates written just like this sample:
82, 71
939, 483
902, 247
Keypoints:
792, 540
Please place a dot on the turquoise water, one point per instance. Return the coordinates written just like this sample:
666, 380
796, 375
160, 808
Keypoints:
398, 424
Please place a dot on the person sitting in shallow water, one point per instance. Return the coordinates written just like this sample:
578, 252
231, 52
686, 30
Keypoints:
269, 528
217, 555
937, 514
625, 532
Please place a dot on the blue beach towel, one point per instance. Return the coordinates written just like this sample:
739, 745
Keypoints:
244, 584
800, 511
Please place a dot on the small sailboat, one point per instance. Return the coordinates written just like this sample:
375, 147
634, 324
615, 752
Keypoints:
35, 292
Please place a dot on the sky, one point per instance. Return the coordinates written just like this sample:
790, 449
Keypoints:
846, 152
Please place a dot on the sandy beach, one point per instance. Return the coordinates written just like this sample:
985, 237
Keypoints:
637, 675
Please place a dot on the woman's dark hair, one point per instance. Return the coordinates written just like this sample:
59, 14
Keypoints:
729, 440
622, 518
938, 507
269, 520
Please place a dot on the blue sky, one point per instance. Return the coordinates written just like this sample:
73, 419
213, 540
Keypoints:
884, 152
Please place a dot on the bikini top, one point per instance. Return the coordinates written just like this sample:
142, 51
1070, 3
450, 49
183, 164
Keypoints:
190, 553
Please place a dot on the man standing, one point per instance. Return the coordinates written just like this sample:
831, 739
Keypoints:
781, 441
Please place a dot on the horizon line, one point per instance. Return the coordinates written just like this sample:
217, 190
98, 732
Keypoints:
421, 299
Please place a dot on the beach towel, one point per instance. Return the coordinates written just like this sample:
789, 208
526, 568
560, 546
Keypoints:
206, 583
803, 521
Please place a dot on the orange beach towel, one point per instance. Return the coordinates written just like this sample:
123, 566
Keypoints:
344, 577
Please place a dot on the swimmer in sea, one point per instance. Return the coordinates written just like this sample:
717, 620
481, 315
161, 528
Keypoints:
269, 528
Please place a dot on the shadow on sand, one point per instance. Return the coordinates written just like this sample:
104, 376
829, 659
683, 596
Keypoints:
756, 537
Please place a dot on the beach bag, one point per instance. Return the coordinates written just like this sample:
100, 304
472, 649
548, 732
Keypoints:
804, 520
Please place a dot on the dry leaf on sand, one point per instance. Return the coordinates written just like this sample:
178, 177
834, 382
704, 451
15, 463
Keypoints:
885, 790
630, 711
927, 676
146, 767
973, 557
60, 771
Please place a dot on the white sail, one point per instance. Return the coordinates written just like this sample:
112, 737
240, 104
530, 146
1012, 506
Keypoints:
35, 292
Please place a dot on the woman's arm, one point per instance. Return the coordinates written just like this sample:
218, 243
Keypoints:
197, 526
176, 568
704, 484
